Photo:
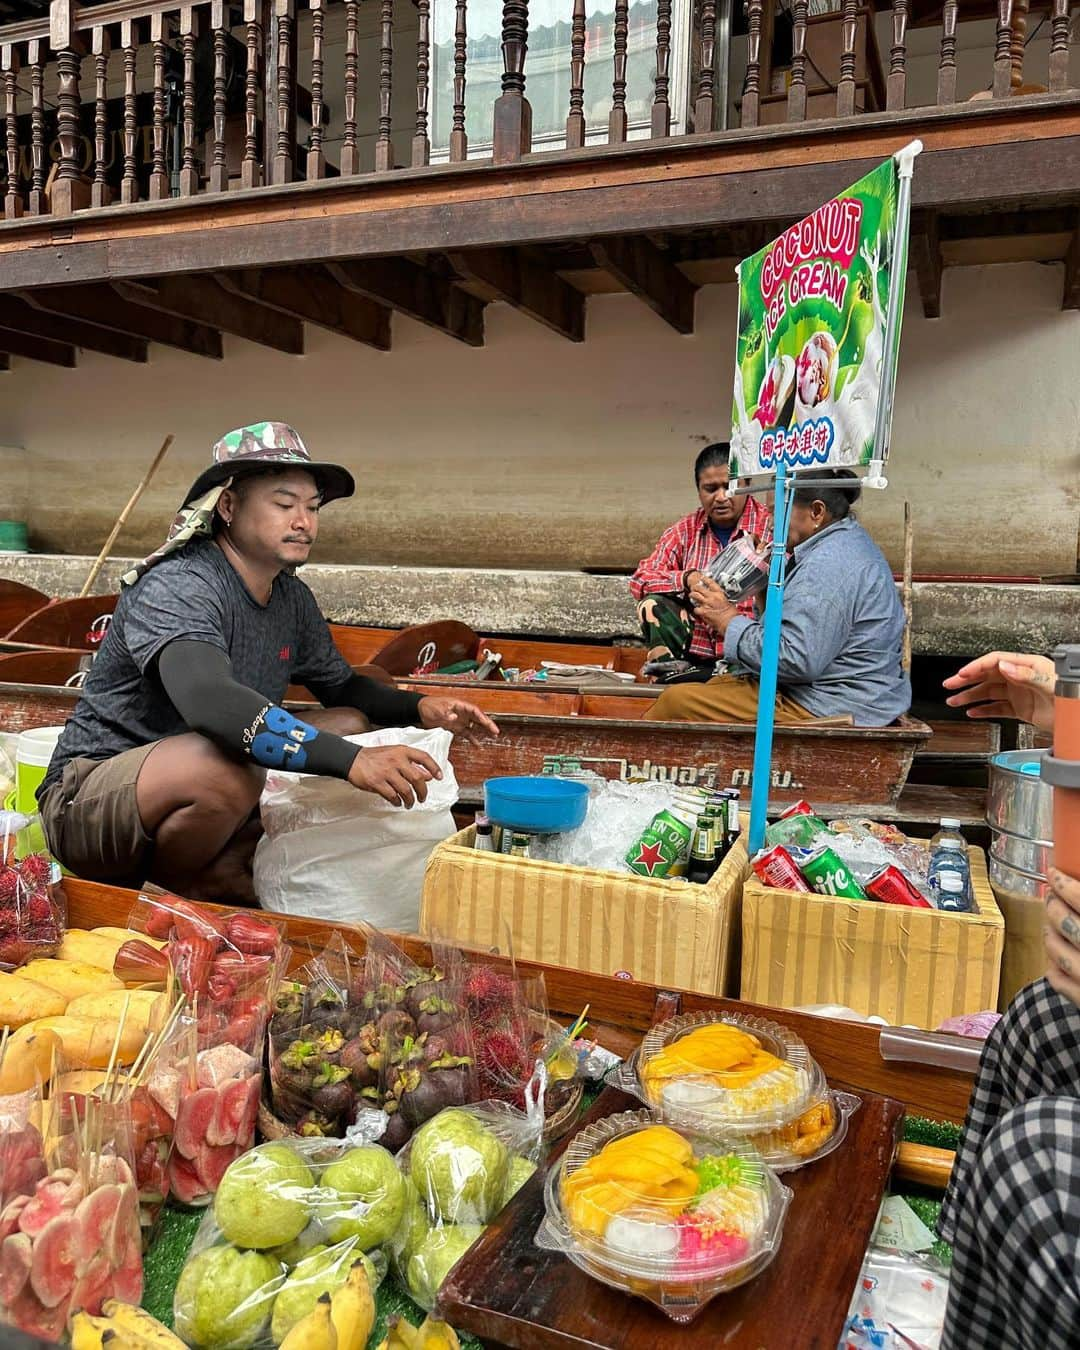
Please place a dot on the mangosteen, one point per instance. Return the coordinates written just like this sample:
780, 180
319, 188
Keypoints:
397, 1132
429, 985
329, 1044
451, 1082
312, 1125
437, 1013
288, 1008
363, 1067
396, 1025
332, 1094
298, 1061
384, 997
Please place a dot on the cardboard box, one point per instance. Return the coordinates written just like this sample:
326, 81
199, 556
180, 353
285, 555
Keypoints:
670, 933
909, 966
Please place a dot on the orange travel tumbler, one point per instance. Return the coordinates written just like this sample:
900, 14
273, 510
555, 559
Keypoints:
1062, 767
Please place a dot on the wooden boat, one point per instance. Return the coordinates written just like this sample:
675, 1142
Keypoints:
78, 625
18, 602
508, 1292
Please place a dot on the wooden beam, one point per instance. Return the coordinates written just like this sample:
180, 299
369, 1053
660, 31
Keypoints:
504, 274
203, 300
416, 292
1070, 295
310, 294
100, 305
924, 255
36, 349
23, 318
649, 274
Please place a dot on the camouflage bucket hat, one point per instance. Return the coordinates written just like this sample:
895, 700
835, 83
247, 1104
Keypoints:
250, 447
262, 444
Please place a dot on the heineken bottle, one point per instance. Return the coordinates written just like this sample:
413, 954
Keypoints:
701, 866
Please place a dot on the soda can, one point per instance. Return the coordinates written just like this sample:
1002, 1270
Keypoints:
802, 808
663, 848
892, 887
776, 867
828, 874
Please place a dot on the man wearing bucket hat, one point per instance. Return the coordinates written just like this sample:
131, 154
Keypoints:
158, 773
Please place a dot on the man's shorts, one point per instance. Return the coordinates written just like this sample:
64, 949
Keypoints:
91, 819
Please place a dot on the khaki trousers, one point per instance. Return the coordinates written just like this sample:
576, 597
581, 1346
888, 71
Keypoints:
727, 698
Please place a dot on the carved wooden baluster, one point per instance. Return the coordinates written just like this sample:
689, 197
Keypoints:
384, 150
946, 79
796, 99
159, 35
896, 90
36, 54
751, 102
1059, 47
69, 191
617, 117
284, 156
251, 170
189, 30
575, 122
1003, 50
219, 172
102, 45
129, 44
661, 108
1018, 42
12, 197
459, 141
316, 160
703, 106
849, 28
512, 136
421, 145
350, 154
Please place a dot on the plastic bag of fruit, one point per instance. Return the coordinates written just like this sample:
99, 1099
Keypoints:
75, 1241
461, 1168
289, 1223
32, 905
509, 1021
315, 1017
22, 1149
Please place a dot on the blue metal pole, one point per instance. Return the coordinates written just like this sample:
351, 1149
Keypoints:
770, 658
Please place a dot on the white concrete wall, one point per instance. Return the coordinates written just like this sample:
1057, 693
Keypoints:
534, 451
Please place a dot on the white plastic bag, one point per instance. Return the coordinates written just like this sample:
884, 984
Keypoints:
336, 853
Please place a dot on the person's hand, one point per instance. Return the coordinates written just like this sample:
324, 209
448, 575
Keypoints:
398, 773
454, 714
1006, 684
1062, 936
711, 604
690, 578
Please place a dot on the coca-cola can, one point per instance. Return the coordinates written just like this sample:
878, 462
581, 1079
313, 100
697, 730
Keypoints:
802, 808
892, 887
776, 867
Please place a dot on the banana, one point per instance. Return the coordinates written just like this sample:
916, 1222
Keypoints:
87, 1331
353, 1310
316, 1331
436, 1335
401, 1335
133, 1327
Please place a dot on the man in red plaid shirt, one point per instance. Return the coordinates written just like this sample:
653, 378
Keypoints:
661, 584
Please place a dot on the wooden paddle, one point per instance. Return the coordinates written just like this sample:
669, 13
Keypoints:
121, 519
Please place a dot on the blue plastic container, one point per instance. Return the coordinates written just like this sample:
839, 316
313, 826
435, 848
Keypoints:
535, 804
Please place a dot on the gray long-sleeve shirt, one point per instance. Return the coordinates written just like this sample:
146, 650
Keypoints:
842, 630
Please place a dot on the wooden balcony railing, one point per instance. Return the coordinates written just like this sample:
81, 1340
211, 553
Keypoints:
130, 100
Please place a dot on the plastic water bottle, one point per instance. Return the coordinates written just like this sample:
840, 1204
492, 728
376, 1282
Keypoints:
949, 830
950, 876
949, 894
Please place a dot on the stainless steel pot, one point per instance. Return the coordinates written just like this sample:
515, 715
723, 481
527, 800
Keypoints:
1019, 813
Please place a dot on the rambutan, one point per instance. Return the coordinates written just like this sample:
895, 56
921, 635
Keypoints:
40, 910
503, 1061
486, 989
9, 887
35, 869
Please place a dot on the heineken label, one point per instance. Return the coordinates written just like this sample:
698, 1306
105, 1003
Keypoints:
663, 848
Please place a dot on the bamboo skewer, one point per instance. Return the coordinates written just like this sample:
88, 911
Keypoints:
907, 591
121, 519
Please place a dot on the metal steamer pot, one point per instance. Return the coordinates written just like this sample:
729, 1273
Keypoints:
1019, 812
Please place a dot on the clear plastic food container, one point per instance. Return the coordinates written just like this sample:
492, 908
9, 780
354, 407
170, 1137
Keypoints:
662, 1214
813, 1135
724, 1074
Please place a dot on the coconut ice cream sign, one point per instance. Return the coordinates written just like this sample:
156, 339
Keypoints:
810, 365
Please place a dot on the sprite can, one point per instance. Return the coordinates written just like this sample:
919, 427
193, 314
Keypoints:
828, 874
663, 849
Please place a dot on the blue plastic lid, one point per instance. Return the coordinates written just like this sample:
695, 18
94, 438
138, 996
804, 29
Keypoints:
1032, 767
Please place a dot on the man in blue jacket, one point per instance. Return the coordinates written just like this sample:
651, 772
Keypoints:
842, 631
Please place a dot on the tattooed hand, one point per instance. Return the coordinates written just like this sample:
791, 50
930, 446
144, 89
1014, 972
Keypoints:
1006, 684
1062, 934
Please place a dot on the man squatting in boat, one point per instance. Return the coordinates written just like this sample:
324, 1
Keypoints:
158, 773
841, 635
1012, 1211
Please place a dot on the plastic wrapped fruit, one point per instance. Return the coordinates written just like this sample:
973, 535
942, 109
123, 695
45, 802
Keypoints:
666, 1215
224, 1298
31, 901
728, 1074
813, 1134
263, 1199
